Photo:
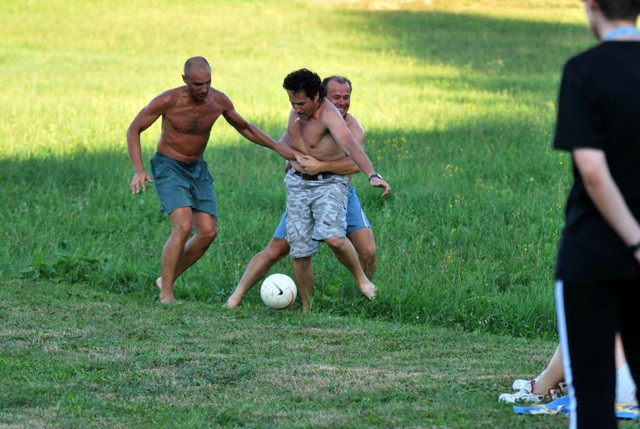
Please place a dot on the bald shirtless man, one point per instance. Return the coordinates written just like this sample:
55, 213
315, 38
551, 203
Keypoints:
358, 231
182, 180
316, 204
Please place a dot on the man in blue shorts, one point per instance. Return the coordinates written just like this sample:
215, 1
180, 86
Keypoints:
358, 231
182, 180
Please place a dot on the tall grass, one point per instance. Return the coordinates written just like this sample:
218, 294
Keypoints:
458, 100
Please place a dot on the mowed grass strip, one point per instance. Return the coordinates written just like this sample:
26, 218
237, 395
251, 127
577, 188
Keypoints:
74, 356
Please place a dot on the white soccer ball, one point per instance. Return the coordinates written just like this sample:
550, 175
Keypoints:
278, 291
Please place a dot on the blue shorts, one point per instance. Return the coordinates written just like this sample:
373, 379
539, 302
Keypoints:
183, 184
356, 219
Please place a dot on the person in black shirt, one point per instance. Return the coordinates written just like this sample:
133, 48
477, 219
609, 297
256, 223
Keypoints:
598, 263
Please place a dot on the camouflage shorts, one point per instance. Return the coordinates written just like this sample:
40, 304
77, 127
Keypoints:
316, 210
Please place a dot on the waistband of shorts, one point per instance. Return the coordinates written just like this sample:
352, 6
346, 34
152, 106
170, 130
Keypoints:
319, 176
177, 161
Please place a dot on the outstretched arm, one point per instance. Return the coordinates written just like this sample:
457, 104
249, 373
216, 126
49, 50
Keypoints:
253, 133
606, 196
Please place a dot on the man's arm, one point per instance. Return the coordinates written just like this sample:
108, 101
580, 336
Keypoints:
253, 133
340, 132
311, 165
606, 196
143, 120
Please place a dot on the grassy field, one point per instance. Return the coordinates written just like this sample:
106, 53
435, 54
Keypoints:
76, 356
458, 109
458, 100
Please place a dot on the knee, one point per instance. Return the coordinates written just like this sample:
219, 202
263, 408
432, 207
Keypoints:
209, 234
275, 251
367, 253
182, 227
335, 243
367, 250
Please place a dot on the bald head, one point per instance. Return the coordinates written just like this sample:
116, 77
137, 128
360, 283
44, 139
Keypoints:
196, 64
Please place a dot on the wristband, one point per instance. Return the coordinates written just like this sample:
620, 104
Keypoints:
380, 177
634, 247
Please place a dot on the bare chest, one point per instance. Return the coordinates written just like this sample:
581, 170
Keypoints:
191, 119
312, 137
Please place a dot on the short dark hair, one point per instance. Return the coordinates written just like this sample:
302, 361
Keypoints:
304, 80
620, 9
340, 79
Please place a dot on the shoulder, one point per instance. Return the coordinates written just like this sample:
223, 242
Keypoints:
577, 72
353, 123
586, 61
328, 111
605, 68
221, 99
168, 98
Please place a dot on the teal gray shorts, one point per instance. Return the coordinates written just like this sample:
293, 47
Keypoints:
183, 184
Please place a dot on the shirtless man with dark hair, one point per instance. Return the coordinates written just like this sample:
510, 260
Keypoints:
316, 204
338, 89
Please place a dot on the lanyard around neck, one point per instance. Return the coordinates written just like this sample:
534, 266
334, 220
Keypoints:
621, 31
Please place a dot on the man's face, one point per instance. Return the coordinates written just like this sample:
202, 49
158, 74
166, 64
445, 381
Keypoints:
340, 95
302, 104
198, 84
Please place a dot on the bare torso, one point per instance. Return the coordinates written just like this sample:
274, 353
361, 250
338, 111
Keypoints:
186, 123
312, 137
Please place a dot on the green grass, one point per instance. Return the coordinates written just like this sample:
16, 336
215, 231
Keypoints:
458, 108
458, 100
75, 356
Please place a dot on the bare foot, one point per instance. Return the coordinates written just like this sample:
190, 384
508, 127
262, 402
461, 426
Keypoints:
233, 301
368, 289
168, 299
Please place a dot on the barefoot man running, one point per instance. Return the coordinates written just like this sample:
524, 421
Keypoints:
182, 180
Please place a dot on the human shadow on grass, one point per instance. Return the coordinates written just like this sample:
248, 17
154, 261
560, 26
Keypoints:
78, 222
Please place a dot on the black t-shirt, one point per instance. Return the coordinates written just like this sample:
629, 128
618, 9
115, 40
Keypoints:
599, 108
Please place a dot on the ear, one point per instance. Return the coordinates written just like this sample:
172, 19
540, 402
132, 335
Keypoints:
592, 4
184, 79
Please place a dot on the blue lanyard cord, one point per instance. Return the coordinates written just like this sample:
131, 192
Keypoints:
622, 31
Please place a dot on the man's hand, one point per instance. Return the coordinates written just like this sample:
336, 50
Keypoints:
286, 151
380, 183
310, 165
138, 182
